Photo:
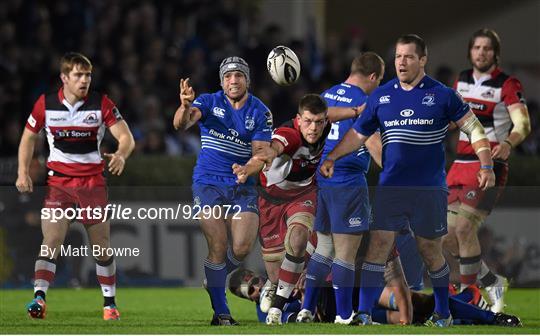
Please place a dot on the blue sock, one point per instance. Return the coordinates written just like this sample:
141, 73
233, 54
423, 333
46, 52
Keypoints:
317, 270
216, 276
231, 261
464, 311
378, 314
371, 286
464, 296
439, 281
343, 281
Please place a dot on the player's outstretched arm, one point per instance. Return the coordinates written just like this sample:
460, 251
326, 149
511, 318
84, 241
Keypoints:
342, 113
263, 155
350, 142
471, 126
522, 127
397, 284
185, 115
252, 167
26, 151
374, 146
117, 160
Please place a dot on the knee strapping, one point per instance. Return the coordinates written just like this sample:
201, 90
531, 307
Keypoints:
452, 217
301, 218
475, 219
287, 243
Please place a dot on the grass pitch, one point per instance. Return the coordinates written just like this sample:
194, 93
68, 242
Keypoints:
187, 311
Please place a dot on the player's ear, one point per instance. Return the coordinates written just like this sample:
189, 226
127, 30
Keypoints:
423, 61
63, 77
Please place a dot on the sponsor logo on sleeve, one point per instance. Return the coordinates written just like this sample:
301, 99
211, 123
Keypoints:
32, 121
269, 119
116, 113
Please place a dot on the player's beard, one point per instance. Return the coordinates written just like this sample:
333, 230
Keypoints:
485, 68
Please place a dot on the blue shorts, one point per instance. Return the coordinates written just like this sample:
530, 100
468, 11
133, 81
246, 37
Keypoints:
423, 210
241, 198
342, 209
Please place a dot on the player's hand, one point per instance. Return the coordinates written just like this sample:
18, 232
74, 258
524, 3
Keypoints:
187, 94
359, 109
24, 183
267, 155
116, 163
240, 172
486, 178
327, 168
501, 151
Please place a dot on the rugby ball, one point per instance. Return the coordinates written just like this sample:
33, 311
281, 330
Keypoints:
283, 65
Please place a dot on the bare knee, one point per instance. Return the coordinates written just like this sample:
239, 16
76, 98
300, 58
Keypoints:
296, 240
241, 249
53, 241
380, 245
217, 251
449, 242
464, 228
431, 251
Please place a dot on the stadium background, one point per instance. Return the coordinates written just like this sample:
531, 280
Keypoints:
140, 49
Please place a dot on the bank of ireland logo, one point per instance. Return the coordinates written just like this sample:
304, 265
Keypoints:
406, 113
250, 124
340, 91
428, 100
233, 132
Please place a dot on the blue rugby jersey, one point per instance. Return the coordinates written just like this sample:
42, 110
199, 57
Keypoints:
413, 126
226, 135
350, 169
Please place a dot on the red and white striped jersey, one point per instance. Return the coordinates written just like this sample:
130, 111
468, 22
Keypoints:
488, 98
292, 173
74, 133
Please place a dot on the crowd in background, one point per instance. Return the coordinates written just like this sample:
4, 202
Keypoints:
141, 49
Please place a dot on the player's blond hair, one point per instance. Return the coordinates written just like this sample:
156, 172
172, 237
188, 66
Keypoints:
70, 59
